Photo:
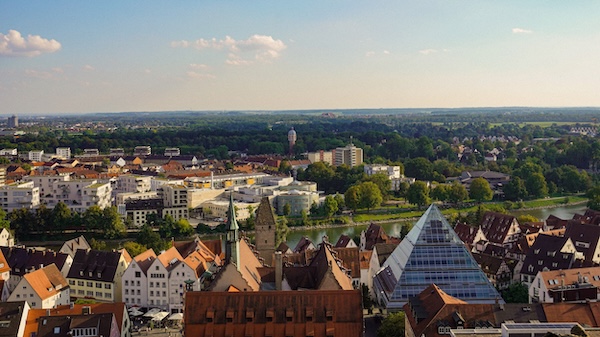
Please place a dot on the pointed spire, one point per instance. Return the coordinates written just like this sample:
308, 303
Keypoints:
231, 220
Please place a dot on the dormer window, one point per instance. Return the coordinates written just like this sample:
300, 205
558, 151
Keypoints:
81, 273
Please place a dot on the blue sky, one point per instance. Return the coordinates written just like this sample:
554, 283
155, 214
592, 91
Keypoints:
103, 56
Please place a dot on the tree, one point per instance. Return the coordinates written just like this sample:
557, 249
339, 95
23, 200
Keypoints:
516, 293
457, 193
287, 209
112, 224
515, 189
527, 218
97, 244
60, 216
536, 185
151, 239
352, 197
418, 194
281, 231
4, 223
480, 190
383, 182
330, 206
134, 248
403, 189
440, 192
370, 195
392, 325
339, 198
419, 168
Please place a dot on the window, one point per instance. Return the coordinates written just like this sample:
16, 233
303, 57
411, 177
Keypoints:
80, 283
126, 282
89, 284
56, 330
138, 274
107, 286
98, 285
151, 285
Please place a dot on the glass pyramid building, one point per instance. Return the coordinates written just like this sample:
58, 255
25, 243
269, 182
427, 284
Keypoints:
432, 253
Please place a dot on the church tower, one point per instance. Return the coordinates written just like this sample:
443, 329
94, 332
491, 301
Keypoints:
232, 246
264, 226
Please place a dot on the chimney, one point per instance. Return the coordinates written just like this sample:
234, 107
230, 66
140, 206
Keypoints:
72, 305
48, 312
86, 310
278, 270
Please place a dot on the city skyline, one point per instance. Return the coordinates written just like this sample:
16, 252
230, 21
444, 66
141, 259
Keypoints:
73, 57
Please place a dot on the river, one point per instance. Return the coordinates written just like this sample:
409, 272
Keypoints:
393, 228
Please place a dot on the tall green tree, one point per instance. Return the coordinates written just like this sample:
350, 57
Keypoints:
383, 182
392, 326
480, 190
330, 206
352, 198
515, 189
457, 193
418, 194
370, 195
536, 185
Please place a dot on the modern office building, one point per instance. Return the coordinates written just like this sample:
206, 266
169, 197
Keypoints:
349, 155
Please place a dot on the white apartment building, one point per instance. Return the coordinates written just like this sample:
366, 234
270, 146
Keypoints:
35, 155
172, 152
91, 152
219, 209
9, 152
19, 195
175, 201
63, 152
122, 198
393, 172
135, 280
44, 288
133, 183
80, 194
142, 151
45, 184
153, 281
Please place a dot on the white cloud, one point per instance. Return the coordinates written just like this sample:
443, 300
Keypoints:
521, 31
428, 51
373, 53
147, 71
193, 74
13, 44
58, 70
199, 66
44, 75
260, 48
88, 67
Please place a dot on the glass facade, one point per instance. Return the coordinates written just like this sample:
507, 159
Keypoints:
432, 253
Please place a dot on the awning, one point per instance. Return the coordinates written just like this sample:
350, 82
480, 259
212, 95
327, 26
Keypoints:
160, 316
176, 317
152, 312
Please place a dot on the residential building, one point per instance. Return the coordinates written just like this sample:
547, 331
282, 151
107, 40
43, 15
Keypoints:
142, 151
91, 152
344, 241
12, 122
116, 152
63, 152
45, 183
128, 183
547, 253
570, 285
135, 280
19, 195
35, 155
274, 313
70, 247
321, 156
80, 194
432, 253
379, 254
175, 201
220, 208
375, 234
97, 274
498, 269
42, 289
23, 261
123, 326
172, 152
11, 152
6, 238
500, 228
349, 155
392, 172
15, 315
